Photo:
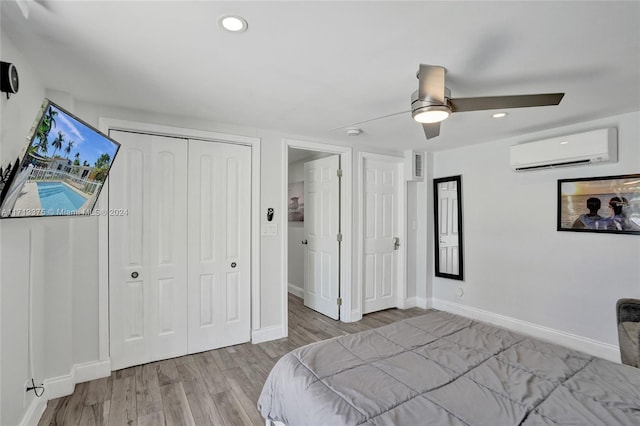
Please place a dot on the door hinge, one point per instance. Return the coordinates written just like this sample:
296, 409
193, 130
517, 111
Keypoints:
339, 236
339, 172
339, 301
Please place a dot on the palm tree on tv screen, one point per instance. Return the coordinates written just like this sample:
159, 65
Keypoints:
43, 145
47, 123
69, 147
50, 117
57, 143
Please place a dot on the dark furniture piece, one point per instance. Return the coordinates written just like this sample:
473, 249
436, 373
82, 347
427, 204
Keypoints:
628, 314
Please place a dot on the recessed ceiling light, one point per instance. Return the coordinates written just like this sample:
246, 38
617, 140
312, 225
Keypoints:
354, 131
499, 114
233, 23
564, 142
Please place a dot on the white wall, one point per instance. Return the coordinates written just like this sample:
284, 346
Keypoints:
417, 230
516, 263
296, 235
63, 254
16, 117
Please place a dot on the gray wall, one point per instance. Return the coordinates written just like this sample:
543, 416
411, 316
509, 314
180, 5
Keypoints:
516, 263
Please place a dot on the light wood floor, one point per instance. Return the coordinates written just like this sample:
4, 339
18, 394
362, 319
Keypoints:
219, 387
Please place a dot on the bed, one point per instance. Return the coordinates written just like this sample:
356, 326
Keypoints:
444, 369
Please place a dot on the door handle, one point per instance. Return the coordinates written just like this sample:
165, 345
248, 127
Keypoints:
304, 242
233, 264
134, 275
396, 243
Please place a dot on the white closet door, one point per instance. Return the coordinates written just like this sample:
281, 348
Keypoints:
219, 245
321, 227
147, 249
380, 264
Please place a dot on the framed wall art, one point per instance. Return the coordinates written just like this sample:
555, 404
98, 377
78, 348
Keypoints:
296, 202
607, 204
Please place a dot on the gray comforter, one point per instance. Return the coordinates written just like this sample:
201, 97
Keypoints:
443, 369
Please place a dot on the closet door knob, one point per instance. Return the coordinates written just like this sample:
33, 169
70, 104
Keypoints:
134, 275
304, 242
233, 264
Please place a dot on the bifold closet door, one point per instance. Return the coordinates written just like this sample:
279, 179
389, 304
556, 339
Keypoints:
219, 245
148, 249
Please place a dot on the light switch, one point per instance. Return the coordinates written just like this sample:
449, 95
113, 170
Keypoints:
269, 229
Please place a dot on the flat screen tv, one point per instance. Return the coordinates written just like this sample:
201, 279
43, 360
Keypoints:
62, 170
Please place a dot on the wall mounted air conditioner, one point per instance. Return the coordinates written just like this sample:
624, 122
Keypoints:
597, 146
414, 165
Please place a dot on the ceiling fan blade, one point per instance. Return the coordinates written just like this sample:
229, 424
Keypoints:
431, 82
503, 102
431, 130
371, 119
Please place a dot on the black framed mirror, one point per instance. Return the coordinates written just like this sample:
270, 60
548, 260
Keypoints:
447, 201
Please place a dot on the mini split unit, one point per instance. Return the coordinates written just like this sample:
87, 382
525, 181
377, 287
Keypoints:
597, 146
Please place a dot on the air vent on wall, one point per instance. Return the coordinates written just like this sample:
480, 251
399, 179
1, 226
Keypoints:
597, 146
414, 165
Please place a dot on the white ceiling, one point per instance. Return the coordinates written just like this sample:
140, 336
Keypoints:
305, 67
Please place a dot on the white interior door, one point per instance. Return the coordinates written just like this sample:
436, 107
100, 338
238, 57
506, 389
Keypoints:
219, 245
382, 186
322, 225
147, 249
448, 232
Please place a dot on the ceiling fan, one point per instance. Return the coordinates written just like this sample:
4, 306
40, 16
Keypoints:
432, 102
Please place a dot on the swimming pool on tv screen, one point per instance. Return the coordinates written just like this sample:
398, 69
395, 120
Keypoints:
56, 198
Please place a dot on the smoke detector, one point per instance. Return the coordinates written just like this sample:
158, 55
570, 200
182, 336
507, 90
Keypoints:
354, 132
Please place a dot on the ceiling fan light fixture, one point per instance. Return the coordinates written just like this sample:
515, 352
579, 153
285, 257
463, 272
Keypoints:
431, 114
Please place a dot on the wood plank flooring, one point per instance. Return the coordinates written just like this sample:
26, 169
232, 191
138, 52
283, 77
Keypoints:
219, 387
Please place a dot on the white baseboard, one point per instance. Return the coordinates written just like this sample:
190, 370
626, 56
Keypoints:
295, 290
267, 333
424, 303
415, 302
57, 387
91, 371
34, 412
409, 302
573, 341
64, 385
356, 315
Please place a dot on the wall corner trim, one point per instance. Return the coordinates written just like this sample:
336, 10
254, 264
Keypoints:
266, 334
356, 315
57, 387
424, 302
34, 412
559, 337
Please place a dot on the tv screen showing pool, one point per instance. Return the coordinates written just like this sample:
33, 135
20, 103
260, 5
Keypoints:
63, 167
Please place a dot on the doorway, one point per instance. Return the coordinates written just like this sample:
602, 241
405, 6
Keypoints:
307, 216
314, 225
